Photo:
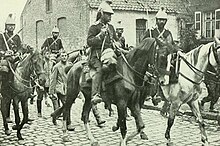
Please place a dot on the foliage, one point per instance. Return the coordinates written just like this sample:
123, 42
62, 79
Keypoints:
188, 39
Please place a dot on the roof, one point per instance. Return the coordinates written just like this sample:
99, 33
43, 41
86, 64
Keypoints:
171, 6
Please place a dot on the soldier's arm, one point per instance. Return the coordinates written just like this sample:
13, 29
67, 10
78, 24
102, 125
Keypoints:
146, 34
53, 80
45, 44
170, 38
94, 37
114, 35
61, 45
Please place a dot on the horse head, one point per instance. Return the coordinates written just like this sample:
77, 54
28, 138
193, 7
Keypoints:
38, 61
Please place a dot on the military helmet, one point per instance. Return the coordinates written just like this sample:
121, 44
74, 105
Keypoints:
10, 19
55, 29
161, 14
105, 7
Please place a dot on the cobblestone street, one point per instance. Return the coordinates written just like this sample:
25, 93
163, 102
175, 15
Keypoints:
42, 132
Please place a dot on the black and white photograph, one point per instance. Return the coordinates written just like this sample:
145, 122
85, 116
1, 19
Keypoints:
109, 72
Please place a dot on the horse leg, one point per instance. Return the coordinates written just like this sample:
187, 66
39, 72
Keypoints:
174, 107
85, 118
194, 105
4, 115
66, 115
121, 108
16, 112
24, 106
136, 112
212, 103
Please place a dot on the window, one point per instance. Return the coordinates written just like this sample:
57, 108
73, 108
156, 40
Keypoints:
217, 14
140, 29
217, 22
198, 21
48, 6
61, 24
39, 33
209, 24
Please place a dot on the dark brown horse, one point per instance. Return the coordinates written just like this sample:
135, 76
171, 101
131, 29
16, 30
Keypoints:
127, 91
18, 88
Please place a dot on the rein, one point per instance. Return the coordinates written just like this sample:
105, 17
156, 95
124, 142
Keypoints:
194, 69
20, 79
140, 75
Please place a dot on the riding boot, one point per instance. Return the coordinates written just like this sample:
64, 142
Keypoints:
97, 115
39, 106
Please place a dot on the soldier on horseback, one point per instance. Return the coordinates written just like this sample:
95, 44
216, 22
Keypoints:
100, 37
53, 44
10, 45
165, 51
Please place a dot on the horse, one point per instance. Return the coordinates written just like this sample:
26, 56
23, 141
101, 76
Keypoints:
213, 86
127, 89
18, 88
192, 68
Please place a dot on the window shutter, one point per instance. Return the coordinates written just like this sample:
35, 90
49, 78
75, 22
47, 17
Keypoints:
198, 23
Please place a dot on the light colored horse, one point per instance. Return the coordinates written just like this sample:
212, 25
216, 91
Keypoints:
193, 66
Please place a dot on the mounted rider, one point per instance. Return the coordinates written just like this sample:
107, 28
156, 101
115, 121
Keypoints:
10, 45
53, 44
101, 36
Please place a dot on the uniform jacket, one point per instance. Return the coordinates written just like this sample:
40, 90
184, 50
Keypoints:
58, 79
154, 33
54, 45
95, 42
13, 44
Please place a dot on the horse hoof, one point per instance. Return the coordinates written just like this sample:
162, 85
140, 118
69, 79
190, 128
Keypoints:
15, 127
8, 120
169, 143
20, 138
114, 128
70, 128
144, 136
100, 123
95, 143
66, 139
7, 132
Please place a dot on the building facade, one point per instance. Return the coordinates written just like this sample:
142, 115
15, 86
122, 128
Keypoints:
206, 18
73, 17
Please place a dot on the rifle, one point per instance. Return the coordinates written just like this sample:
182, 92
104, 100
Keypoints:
74, 51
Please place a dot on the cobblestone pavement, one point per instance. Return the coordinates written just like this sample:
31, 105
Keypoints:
42, 132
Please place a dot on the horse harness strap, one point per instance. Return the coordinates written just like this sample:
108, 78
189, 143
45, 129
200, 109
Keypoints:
20, 78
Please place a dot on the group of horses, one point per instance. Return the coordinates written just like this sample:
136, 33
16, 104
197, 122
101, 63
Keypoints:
138, 74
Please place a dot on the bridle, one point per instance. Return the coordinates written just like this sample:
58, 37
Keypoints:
24, 82
199, 72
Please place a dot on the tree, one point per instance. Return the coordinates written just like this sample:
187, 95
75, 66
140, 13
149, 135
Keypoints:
188, 40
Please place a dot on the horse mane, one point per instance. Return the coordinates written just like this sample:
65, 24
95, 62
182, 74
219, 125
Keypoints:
143, 54
193, 55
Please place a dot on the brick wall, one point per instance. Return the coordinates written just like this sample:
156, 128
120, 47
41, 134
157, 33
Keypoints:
78, 17
76, 24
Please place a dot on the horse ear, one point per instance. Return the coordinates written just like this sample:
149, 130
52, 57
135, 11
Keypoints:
217, 41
